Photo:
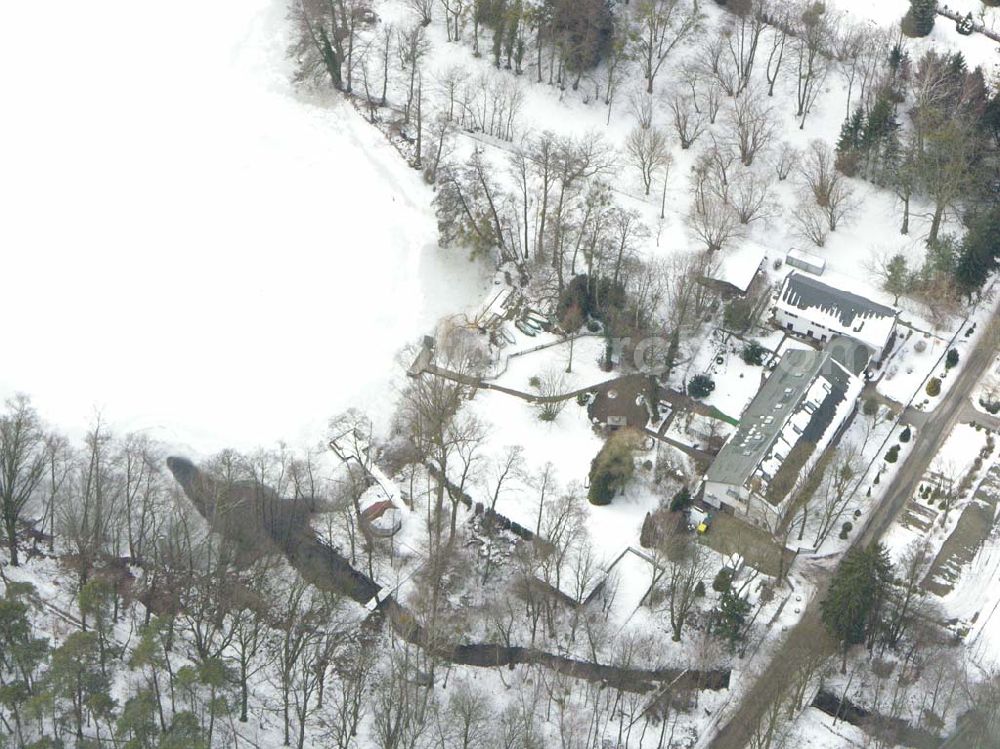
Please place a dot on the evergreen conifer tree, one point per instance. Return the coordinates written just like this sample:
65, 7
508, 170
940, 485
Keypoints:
852, 608
919, 20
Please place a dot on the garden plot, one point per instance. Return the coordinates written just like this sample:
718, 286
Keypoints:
953, 511
975, 601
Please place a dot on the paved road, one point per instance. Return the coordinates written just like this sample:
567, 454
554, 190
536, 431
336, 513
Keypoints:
807, 635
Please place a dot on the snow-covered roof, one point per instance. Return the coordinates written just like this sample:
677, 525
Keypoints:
805, 260
801, 399
738, 267
837, 310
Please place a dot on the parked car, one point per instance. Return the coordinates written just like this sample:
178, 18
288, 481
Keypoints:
532, 324
538, 318
525, 328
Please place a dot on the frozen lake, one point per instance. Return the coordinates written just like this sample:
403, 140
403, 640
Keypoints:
186, 245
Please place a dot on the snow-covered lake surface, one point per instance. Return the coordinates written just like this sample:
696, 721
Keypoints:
189, 248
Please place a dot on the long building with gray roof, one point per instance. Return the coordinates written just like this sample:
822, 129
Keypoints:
801, 406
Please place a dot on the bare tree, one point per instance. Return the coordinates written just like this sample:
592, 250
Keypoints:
142, 490
466, 717
354, 668
751, 196
640, 104
59, 467
946, 167
716, 224
717, 66
818, 172
840, 205
829, 187
905, 178
848, 47
779, 26
249, 622
836, 493
411, 47
685, 567
454, 18
786, 160
327, 31
402, 701
424, 10
648, 151
814, 30
89, 519
742, 35
551, 388
810, 222
617, 65
752, 125
22, 465
387, 34
660, 25
688, 121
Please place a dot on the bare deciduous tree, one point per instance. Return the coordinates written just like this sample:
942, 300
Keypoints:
810, 222
454, 18
717, 66
648, 151
327, 31
22, 465
716, 224
424, 10
829, 187
688, 121
776, 46
751, 196
742, 36
752, 125
685, 566
660, 25
815, 28
786, 160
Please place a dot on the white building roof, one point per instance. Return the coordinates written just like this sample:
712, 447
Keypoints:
806, 258
837, 310
738, 267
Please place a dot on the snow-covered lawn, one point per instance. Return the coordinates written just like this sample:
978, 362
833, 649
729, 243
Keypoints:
549, 364
922, 356
736, 382
188, 247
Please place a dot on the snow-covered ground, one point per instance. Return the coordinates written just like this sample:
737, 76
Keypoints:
190, 248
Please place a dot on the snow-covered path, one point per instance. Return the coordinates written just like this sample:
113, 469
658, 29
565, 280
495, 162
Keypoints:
187, 246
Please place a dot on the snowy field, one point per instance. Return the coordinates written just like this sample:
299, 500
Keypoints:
190, 249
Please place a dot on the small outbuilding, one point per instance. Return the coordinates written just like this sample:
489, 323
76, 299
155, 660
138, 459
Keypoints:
806, 261
738, 268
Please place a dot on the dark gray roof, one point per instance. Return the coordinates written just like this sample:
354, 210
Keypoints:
853, 355
782, 396
807, 292
765, 416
